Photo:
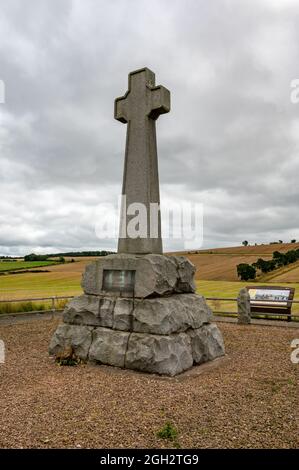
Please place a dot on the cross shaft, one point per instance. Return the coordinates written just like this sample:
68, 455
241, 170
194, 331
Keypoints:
139, 108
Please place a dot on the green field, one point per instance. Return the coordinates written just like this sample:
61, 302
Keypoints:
17, 265
32, 285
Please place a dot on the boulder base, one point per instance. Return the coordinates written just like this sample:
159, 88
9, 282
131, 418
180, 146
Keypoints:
165, 332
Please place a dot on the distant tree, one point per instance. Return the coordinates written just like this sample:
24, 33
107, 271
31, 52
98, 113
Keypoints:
61, 259
34, 257
246, 272
72, 260
245, 243
293, 241
278, 258
264, 265
280, 241
291, 256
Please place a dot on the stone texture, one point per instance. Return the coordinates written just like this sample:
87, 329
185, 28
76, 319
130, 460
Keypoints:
123, 314
166, 315
168, 355
74, 336
156, 275
140, 107
206, 343
108, 347
244, 309
90, 310
106, 312
186, 271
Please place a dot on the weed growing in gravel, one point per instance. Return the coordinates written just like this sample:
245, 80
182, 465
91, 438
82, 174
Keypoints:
168, 431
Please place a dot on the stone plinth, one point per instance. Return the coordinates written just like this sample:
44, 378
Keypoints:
155, 275
162, 326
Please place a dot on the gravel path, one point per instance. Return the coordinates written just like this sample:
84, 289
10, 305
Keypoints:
248, 400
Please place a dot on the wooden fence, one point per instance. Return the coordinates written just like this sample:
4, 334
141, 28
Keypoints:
54, 307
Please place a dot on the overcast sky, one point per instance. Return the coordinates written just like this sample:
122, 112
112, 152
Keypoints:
230, 141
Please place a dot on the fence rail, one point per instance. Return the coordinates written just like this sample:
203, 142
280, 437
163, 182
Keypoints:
55, 299
266, 301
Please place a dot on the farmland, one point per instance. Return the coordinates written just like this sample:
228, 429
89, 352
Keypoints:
63, 279
215, 275
19, 265
219, 264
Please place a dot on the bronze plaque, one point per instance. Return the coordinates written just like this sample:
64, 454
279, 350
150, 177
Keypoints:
117, 280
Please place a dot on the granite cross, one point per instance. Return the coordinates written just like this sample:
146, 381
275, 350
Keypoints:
139, 108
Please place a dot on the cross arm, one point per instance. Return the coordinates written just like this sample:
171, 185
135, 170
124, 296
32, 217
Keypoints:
160, 101
120, 109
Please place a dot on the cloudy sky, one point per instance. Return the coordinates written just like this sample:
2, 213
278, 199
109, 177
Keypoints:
230, 142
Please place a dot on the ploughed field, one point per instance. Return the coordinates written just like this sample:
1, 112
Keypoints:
250, 399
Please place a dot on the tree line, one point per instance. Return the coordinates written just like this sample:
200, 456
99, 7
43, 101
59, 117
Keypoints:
248, 272
61, 256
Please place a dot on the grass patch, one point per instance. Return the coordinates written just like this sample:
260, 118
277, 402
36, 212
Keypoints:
29, 306
17, 265
168, 431
17, 307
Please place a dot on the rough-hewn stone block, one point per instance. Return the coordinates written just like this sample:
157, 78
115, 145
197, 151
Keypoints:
207, 343
90, 310
108, 346
74, 336
155, 274
123, 314
167, 355
166, 315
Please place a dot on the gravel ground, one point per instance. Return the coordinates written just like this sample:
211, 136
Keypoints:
248, 400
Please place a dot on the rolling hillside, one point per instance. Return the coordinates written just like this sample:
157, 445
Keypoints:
214, 267
219, 264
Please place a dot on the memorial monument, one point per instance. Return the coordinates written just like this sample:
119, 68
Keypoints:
139, 309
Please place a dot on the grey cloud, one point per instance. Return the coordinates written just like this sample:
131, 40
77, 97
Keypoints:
229, 142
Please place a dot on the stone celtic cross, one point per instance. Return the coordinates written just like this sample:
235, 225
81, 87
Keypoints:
139, 108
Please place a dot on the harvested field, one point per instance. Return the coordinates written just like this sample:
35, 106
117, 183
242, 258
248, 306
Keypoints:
289, 275
260, 250
219, 264
250, 400
213, 267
